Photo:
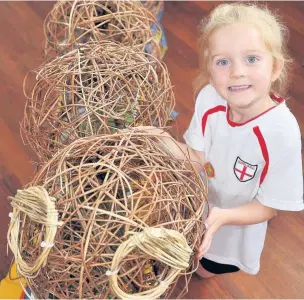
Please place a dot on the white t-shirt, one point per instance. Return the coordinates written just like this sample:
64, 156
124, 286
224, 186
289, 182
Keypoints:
259, 159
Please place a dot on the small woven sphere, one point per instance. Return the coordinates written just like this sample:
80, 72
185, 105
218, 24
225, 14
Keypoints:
107, 187
74, 23
94, 90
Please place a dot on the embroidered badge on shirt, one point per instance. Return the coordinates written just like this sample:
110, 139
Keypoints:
243, 170
209, 169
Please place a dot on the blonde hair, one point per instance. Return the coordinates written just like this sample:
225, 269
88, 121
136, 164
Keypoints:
274, 33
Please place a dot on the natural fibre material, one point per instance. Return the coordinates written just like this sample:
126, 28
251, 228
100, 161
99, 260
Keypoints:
71, 24
109, 189
93, 90
165, 245
156, 7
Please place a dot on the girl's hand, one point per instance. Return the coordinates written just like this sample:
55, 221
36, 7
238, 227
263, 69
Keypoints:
154, 130
215, 220
251, 213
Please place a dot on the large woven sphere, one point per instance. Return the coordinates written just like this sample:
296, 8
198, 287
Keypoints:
93, 90
105, 189
73, 23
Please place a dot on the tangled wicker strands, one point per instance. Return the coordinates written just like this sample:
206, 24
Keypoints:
156, 7
109, 188
74, 23
94, 90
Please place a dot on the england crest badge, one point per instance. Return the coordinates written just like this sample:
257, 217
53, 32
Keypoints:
243, 170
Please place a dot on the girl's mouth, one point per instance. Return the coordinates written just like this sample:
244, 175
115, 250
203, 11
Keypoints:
239, 88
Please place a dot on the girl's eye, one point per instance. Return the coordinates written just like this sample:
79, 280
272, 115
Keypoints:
222, 62
252, 59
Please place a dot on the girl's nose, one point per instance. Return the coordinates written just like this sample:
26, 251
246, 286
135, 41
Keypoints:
237, 70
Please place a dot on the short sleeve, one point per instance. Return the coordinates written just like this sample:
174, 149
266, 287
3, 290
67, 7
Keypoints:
194, 134
283, 185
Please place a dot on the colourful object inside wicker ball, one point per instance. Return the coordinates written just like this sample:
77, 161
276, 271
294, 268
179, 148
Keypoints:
94, 90
74, 23
107, 187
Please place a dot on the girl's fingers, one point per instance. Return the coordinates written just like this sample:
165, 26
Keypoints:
206, 241
150, 129
204, 250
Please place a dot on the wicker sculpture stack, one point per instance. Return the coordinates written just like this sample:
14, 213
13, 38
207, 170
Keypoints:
111, 213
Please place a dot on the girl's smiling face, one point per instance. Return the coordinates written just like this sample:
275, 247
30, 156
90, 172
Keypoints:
241, 67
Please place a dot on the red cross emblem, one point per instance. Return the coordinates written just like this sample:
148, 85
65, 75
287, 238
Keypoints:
243, 170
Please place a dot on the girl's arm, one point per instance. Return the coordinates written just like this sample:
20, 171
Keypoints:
251, 213
179, 150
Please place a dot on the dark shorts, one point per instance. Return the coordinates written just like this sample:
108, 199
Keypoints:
217, 268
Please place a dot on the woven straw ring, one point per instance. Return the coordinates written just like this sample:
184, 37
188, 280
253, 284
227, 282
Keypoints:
39, 207
168, 246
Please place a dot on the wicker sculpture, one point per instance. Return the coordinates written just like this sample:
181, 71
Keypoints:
108, 216
93, 90
71, 24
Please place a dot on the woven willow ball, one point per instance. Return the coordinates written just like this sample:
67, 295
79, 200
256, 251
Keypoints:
106, 189
74, 23
94, 90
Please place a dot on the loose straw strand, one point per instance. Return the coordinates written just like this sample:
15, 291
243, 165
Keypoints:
37, 205
167, 246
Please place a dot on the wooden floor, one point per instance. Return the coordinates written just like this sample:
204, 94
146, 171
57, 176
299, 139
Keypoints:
282, 266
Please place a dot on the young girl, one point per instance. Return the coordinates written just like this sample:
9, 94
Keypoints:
243, 134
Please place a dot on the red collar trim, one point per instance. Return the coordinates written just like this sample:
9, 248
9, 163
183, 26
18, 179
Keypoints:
234, 124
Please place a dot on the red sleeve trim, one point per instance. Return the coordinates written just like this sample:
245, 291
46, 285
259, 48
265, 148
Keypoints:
265, 154
210, 112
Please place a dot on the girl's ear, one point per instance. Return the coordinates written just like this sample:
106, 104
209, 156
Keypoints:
277, 69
